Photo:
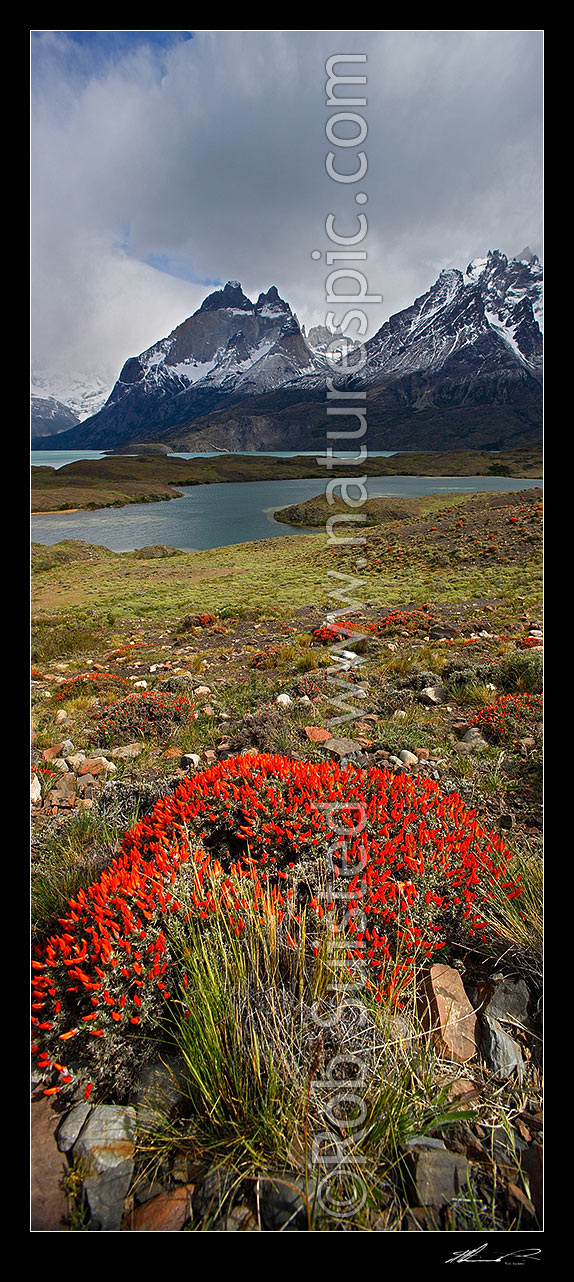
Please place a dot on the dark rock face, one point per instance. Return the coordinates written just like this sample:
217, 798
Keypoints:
459, 368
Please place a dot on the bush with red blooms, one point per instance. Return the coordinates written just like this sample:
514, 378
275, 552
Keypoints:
265, 658
509, 717
321, 682
95, 683
329, 634
146, 713
125, 649
416, 622
389, 864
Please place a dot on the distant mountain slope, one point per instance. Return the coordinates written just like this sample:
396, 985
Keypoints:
48, 417
460, 367
83, 394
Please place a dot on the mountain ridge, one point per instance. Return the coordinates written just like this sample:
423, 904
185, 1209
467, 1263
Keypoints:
466, 351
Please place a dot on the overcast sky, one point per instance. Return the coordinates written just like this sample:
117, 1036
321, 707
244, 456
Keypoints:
166, 163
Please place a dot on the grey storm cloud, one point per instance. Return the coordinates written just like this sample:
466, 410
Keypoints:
160, 170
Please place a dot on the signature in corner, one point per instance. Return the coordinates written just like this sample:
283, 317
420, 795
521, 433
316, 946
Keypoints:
475, 1256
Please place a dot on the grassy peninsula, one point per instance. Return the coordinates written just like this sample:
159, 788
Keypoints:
117, 480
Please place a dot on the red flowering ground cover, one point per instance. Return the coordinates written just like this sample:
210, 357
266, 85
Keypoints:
509, 716
125, 649
145, 713
320, 682
259, 834
95, 683
413, 621
265, 658
329, 634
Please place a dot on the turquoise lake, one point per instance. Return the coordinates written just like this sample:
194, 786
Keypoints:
209, 516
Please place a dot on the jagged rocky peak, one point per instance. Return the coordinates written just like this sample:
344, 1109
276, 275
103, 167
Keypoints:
446, 288
526, 256
496, 264
230, 296
492, 263
271, 303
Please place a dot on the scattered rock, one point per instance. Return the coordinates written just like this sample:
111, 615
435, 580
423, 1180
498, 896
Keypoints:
438, 1176
454, 1021
431, 696
472, 735
96, 766
87, 787
35, 791
443, 631
501, 1054
472, 741
284, 700
64, 791
408, 758
128, 752
506, 822
166, 1213
316, 734
281, 1199
341, 747
108, 1138
61, 716
106, 1146
190, 761
69, 1129
463, 1090
518, 1201
509, 1001
241, 1220
49, 1204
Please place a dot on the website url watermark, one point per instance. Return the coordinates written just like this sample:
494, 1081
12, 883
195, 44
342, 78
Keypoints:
335, 1152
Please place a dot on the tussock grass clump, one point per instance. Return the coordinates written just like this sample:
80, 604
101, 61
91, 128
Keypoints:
61, 637
68, 858
516, 926
522, 671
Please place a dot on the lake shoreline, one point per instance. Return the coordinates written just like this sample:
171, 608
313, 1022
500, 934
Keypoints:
120, 481
213, 516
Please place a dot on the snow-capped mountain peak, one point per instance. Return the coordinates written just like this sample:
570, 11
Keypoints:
473, 339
